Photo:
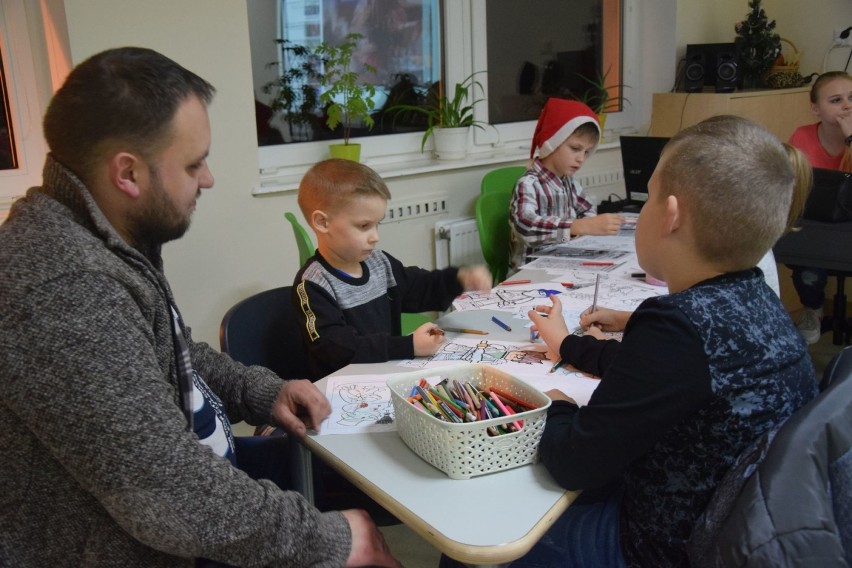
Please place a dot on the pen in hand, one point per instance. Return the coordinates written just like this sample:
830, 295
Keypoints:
595, 298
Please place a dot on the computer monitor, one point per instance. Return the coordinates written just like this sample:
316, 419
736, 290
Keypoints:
830, 198
639, 157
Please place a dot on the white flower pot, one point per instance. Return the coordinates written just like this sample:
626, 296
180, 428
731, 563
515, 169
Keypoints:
450, 143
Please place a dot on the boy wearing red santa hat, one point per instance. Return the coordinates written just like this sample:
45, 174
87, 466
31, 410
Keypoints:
548, 205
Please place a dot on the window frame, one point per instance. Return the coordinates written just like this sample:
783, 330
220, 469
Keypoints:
23, 94
463, 50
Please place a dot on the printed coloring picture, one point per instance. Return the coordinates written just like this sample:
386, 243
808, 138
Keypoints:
358, 404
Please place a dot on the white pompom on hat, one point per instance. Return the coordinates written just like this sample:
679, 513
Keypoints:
557, 122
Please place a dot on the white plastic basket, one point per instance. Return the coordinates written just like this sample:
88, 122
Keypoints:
466, 449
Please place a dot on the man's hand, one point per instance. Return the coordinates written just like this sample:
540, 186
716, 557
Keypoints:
299, 406
368, 545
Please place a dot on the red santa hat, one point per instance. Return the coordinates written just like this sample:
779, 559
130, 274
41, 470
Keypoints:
558, 120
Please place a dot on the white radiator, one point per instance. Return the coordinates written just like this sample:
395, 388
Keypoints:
457, 243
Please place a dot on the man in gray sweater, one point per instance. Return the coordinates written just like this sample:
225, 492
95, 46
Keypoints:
115, 424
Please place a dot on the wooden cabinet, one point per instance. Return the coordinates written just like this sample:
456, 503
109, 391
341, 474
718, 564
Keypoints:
779, 110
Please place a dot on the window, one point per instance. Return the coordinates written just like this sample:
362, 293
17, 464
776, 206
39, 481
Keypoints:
8, 149
22, 147
601, 36
400, 40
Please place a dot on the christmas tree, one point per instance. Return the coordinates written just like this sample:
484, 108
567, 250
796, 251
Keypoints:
759, 44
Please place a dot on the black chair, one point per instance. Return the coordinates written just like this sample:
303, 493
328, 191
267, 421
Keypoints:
795, 502
263, 330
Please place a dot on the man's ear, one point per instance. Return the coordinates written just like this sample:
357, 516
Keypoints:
319, 221
125, 170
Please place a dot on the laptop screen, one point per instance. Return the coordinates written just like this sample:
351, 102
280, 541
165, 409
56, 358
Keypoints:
639, 157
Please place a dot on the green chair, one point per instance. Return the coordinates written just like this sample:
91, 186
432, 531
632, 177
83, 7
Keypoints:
492, 220
409, 321
501, 180
303, 239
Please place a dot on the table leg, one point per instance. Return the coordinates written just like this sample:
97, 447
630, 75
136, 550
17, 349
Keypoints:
302, 471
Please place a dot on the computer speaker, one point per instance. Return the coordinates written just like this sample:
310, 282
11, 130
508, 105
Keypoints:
694, 71
714, 65
727, 71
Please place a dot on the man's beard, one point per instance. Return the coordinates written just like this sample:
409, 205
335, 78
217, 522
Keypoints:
159, 220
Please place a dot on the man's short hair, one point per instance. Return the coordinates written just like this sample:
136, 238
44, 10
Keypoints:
126, 96
331, 184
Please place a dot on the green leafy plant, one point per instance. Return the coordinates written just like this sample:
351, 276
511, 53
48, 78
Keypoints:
443, 110
598, 96
296, 96
347, 99
322, 79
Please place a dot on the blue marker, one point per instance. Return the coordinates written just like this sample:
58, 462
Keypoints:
500, 323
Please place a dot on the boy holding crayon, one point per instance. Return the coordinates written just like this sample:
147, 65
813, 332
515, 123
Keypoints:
350, 295
700, 374
548, 205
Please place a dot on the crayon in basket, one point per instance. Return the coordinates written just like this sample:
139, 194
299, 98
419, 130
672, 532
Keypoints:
458, 402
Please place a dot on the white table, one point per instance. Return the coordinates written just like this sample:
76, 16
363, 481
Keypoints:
491, 519
487, 520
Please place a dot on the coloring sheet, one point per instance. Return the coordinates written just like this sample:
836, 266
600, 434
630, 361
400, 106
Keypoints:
575, 384
359, 404
512, 357
517, 298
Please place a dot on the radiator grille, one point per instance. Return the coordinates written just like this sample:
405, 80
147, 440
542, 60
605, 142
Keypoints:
457, 243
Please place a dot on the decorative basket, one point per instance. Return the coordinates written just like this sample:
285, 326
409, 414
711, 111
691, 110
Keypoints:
464, 450
787, 75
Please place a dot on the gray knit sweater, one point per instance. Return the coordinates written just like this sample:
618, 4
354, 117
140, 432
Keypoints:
98, 466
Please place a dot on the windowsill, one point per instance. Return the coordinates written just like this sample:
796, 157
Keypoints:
403, 166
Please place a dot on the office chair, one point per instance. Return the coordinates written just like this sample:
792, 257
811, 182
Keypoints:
796, 506
408, 321
501, 180
262, 330
492, 221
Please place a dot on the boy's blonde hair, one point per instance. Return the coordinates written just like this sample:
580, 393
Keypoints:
735, 184
331, 184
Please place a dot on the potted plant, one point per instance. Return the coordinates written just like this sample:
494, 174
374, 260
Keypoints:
599, 97
295, 90
319, 82
347, 100
449, 117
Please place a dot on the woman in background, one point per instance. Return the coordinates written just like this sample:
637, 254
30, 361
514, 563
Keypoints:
827, 145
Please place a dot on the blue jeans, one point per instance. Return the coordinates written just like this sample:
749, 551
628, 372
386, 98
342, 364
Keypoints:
810, 285
586, 535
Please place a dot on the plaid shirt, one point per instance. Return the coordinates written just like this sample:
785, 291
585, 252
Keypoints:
542, 211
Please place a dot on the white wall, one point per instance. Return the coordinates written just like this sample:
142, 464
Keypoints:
239, 244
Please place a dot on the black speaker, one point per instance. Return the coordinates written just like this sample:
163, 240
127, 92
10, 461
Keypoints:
719, 63
727, 71
694, 72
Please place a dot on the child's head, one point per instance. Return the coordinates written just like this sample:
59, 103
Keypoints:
343, 202
826, 84
733, 182
561, 124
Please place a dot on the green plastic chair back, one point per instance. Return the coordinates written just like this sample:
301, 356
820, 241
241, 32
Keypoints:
501, 180
492, 220
303, 239
409, 321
